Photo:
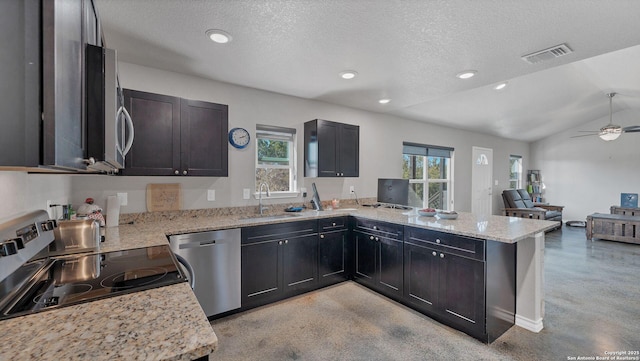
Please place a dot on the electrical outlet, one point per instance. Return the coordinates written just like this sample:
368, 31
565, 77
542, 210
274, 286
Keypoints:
352, 189
123, 198
246, 193
303, 191
211, 195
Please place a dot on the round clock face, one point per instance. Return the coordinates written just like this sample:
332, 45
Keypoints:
239, 137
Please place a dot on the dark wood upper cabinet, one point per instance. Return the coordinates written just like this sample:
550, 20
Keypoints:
203, 141
175, 136
331, 149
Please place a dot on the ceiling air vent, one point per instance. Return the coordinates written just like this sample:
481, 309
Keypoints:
546, 54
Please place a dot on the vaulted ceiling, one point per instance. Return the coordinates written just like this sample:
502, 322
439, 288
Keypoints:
406, 50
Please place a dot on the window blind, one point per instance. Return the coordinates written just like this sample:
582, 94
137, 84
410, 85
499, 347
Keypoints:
426, 150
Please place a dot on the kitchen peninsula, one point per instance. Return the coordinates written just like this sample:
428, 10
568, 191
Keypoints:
168, 324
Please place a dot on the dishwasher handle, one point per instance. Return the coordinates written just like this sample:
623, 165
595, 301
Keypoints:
192, 274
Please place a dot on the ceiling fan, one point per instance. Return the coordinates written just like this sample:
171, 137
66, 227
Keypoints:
610, 131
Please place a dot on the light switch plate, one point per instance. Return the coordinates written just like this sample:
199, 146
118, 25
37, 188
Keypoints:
246, 193
211, 195
123, 198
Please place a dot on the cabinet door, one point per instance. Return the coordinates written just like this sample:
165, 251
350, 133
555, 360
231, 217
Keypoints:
328, 151
462, 291
349, 150
156, 148
204, 129
421, 275
261, 273
300, 267
390, 268
332, 248
365, 250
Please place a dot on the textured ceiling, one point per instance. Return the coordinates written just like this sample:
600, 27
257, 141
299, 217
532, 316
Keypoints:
406, 50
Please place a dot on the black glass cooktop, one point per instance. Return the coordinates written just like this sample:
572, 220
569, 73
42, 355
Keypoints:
80, 278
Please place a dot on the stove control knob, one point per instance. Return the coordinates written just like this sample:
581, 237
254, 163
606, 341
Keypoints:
19, 242
49, 225
8, 248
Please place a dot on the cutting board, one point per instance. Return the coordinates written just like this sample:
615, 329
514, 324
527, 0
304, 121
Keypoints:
164, 197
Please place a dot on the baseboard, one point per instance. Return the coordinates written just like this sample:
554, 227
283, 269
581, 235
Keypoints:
528, 324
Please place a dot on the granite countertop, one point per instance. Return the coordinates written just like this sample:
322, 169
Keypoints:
167, 323
154, 232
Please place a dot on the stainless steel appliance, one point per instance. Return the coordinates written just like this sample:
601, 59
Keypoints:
75, 236
36, 285
215, 258
109, 126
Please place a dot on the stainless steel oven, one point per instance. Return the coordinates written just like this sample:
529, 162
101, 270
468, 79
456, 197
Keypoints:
44, 284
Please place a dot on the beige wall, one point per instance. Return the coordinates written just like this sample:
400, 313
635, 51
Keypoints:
587, 174
381, 138
21, 192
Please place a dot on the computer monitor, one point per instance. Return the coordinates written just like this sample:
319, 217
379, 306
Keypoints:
393, 191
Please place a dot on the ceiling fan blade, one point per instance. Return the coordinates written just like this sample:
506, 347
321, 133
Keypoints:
631, 129
583, 135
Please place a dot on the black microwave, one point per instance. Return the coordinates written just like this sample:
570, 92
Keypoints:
109, 126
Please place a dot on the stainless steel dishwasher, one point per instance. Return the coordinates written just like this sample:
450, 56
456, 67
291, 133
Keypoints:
215, 259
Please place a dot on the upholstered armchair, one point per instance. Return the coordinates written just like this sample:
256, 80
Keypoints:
518, 203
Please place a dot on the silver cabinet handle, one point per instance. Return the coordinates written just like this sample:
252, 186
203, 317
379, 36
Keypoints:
322, 236
184, 172
441, 255
434, 253
377, 239
375, 227
286, 241
371, 238
333, 224
280, 243
437, 240
176, 172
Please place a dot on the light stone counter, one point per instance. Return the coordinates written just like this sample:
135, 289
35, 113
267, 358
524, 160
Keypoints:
164, 323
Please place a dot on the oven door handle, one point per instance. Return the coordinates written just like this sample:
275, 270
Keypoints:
192, 274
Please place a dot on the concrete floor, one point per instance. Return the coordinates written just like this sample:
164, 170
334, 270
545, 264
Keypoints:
592, 304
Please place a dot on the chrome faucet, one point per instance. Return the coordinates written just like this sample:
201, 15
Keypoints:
260, 207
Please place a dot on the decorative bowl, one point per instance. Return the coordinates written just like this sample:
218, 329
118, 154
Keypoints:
447, 214
427, 212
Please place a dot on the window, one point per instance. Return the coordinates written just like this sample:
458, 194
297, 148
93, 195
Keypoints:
515, 172
276, 159
429, 170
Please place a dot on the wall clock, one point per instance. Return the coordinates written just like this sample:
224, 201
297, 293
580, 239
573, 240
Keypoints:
239, 137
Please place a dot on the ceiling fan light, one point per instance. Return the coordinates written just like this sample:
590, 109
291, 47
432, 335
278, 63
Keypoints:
610, 132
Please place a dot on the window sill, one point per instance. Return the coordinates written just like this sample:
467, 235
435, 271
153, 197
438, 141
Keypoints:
276, 195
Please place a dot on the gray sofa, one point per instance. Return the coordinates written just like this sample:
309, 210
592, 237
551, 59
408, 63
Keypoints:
518, 203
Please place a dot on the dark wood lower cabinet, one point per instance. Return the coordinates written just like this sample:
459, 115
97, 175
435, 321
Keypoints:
464, 282
379, 257
278, 261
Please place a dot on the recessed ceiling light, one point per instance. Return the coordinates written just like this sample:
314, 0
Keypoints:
466, 74
348, 74
218, 36
500, 86
384, 101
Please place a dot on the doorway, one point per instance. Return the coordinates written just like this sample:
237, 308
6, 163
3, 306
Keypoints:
481, 181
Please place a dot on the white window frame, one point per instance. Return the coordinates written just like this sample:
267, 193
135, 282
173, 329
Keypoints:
278, 133
518, 180
425, 181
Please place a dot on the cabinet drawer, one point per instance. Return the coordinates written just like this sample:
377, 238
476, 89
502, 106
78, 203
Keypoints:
332, 224
451, 243
270, 232
378, 228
